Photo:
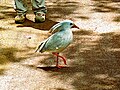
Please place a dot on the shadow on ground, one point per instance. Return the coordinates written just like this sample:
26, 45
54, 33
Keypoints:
117, 19
94, 62
5, 12
57, 10
61, 9
107, 6
40, 26
8, 55
93, 59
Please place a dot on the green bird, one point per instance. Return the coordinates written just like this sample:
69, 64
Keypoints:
61, 37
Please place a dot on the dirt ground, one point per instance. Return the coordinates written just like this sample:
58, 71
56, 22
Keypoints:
93, 59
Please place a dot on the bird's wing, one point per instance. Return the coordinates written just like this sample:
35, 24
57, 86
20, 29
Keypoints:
55, 28
50, 43
56, 41
41, 46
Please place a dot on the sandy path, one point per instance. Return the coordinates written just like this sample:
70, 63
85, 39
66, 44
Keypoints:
93, 58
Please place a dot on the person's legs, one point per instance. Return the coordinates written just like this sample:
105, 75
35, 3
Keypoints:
21, 9
39, 9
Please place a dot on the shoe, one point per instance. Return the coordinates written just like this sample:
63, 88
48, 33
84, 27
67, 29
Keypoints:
39, 17
19, 19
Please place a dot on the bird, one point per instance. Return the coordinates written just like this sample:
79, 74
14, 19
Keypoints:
61, 38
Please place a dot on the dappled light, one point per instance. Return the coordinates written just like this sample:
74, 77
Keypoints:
92, 58
6, 56
29, 23
117, 19
93, 65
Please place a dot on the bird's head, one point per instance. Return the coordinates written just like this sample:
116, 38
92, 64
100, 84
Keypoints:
66, 24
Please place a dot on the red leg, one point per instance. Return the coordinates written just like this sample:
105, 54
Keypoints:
57, 62
57, 54
63, 59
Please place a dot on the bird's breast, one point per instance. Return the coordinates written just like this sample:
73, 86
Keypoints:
67, 38
59, 41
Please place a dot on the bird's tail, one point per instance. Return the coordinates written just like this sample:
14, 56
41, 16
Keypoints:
39, 47
55, 28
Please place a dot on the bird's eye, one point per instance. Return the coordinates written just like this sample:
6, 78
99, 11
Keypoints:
71, 24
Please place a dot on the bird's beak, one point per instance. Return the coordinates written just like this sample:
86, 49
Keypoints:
74, 26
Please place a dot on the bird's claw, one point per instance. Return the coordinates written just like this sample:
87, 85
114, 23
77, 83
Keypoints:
58, 66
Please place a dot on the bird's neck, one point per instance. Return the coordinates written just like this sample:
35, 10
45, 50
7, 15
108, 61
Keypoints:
68, 31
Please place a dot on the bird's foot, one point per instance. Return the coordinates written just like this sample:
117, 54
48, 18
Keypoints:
63, 58
60, 66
